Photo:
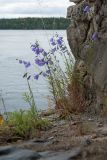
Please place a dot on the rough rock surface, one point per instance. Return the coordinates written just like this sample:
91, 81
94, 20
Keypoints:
88, 151
87, 37
14, 153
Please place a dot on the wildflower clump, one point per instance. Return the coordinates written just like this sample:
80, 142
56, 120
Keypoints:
55, 65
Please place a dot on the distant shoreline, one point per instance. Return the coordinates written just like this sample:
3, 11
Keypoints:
34, 24
32, 29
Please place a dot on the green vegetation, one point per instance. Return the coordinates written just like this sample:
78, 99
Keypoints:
34, 23
25, 124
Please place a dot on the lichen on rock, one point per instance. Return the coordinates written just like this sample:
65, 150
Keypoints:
87, 37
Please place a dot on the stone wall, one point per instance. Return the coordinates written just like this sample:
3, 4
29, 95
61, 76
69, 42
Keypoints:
87, 37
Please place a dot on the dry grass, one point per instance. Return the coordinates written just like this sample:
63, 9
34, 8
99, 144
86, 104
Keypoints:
76, 95
75, 101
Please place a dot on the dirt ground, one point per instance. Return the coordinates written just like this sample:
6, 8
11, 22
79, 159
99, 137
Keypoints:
90, 134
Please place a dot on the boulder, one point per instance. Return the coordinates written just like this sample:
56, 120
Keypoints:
87, 37
15, 153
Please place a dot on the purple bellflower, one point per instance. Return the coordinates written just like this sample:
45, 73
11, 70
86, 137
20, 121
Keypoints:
45, 53
27, 64
86, 9
52, 41
48, 71
95, 36
60, 40
20, 61
36, 77
53, 50
40, 62
44, 58
36, 49
44, 74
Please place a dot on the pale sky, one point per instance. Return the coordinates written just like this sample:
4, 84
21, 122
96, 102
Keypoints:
33, 8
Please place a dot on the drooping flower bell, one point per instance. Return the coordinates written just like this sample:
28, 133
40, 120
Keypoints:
40, 62
44, 74
86, 9
36, 77
26, 64
60, 41
52, 41
95, 36
20, 61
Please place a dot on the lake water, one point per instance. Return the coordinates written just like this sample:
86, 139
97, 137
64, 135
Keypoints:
16, 44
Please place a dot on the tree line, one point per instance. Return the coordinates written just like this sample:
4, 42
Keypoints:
35, 23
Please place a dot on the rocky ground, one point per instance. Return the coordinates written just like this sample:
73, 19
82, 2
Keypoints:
80, 137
